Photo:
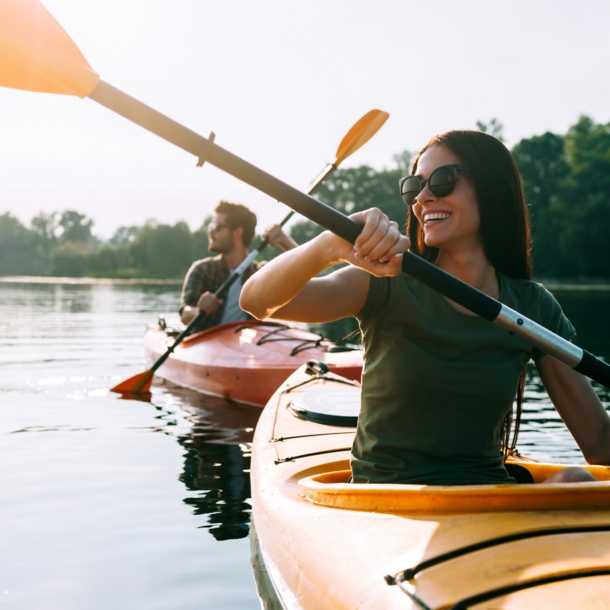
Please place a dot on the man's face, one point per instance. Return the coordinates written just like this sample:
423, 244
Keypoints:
220, 236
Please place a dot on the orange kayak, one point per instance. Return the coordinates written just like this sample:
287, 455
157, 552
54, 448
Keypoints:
322, 543
245, 361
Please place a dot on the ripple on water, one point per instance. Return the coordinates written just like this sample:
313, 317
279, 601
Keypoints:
118, 503
110, 502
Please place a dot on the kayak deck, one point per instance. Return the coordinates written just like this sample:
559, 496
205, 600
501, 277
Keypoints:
245, 361
326, 543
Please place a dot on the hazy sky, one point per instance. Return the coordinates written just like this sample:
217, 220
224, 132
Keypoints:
280, 83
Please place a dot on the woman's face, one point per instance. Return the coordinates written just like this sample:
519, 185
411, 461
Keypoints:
451, 221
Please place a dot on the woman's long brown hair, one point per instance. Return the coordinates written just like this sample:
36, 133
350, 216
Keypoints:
505, 224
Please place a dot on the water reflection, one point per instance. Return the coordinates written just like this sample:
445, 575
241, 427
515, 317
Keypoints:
216, 460
86, 470
221, 474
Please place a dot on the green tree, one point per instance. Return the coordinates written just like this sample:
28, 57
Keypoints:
587, 198
75, 227
543, 164
200, 241
18, 255
124, 235
494, 128
70, 259
44, 227
162, 250
102, 262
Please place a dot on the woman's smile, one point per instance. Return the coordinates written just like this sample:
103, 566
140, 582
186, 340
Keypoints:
432, 217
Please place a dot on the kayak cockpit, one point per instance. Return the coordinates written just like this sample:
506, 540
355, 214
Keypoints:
332, 489
328, 543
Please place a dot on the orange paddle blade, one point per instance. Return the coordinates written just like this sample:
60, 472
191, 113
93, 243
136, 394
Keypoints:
138, 384
361, 132
36, 54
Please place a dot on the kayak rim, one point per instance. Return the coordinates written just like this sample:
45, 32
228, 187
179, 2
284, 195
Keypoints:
333, 490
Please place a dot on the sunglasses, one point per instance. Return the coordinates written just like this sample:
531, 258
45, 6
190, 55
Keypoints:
441, 182
214, 227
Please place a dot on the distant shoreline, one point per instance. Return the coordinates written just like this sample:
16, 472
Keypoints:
571, 287
553, 286
45, 279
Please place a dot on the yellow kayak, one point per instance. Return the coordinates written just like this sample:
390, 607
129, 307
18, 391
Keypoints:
321, 542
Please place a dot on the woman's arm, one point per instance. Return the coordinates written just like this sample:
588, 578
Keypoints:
579, 407
285, 288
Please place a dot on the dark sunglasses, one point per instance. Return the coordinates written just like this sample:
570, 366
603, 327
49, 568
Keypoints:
213, 227
441, 182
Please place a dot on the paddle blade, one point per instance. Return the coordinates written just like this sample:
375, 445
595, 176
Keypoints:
36, 54
138, 384
360, 133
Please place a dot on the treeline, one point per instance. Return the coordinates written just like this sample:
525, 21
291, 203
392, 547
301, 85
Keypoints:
64, 245
566, 179
567, 185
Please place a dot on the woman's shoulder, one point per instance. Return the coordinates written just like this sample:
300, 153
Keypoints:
534, 301
523, 289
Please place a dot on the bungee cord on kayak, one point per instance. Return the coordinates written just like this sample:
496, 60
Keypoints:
529, 584
410, 573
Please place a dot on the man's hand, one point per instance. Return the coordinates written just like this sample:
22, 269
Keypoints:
208, 303
277, 237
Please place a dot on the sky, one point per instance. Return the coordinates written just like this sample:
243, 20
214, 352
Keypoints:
280, 83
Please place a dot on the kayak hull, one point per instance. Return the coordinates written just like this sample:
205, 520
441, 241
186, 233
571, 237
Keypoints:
244, 361
326, 543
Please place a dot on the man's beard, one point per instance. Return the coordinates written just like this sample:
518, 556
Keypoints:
219, 248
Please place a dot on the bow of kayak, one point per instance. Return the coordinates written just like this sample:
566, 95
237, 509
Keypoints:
245, 361
321, 542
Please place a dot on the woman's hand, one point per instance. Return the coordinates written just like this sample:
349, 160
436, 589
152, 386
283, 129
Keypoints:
378, 248
288, 287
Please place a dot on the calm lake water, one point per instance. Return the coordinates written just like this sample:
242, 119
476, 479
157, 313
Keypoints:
111, 503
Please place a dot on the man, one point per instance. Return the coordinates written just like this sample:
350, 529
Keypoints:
229, 233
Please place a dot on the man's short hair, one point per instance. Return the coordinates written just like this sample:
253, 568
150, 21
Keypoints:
238, 215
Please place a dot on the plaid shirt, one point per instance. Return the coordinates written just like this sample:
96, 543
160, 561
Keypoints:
207, 275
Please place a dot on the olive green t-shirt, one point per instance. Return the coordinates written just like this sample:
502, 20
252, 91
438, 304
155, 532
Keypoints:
437, 383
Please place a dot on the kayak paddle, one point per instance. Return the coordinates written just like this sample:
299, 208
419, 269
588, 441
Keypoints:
360, 133
36, 54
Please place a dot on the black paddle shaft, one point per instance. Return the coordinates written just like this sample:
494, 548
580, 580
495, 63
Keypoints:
322, 214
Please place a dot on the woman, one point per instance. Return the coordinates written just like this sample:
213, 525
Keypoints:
439, 382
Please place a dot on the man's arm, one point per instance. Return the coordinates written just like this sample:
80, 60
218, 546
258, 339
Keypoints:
195, 297
207, 302
277, 237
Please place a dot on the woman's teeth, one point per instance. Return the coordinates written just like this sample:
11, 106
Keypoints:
435, 216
